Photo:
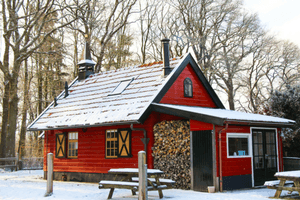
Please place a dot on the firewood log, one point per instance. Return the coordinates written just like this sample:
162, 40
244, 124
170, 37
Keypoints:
171, 151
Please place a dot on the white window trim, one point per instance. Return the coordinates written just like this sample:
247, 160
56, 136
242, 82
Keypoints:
239, 135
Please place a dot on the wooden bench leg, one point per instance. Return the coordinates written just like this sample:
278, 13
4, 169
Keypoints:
279, 190
160, 194
110, 193
133, 192
159, 191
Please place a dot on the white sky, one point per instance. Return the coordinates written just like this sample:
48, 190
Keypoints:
281, 17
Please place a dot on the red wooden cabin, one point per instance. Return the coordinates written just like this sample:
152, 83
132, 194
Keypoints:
103, 120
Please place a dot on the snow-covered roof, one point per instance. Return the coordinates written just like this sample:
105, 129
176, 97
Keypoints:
90, 102
221, 116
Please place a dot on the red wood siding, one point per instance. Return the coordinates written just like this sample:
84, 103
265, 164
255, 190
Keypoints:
200, 126
91, 148
91, 152
280, 149
175, 95
239, 166
232, 166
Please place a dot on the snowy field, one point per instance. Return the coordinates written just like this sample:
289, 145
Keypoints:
29, 185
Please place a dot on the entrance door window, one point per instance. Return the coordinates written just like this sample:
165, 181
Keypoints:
264, 155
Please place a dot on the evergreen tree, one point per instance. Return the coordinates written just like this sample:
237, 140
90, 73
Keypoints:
287, 104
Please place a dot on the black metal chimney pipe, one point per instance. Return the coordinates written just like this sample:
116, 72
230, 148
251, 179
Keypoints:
66, 89
166, 69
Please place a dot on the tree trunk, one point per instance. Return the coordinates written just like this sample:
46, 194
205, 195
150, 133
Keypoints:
5, 101
40, 86
22, 140
231, 96
4, 118
13, 109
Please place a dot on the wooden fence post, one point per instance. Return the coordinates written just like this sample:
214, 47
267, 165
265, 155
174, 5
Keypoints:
17, 162
143, 192
49, 175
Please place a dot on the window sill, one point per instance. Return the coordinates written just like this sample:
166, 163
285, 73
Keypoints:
239, 156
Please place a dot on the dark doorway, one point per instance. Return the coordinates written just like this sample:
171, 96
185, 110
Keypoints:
264, 155
202, 160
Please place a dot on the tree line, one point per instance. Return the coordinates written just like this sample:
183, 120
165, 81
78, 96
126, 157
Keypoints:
43, 41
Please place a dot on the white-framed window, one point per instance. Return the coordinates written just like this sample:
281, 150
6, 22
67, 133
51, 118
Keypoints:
238, 145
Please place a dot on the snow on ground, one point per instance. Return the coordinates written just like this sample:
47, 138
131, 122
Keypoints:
29, 185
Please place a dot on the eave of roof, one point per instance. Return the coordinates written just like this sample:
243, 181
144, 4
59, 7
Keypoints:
221, 116
86, 126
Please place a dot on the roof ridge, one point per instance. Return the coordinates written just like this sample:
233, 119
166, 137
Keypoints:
136, 66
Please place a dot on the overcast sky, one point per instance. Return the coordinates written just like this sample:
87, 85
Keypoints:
281, 17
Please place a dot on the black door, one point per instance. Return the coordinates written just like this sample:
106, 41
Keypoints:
202, 160
264, 155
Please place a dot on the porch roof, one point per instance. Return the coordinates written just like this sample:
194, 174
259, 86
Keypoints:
220, 116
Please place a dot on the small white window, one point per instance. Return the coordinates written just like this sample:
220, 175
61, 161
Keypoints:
238, 145
121, 87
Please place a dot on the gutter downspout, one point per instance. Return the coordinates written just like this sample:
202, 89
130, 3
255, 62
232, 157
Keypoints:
145, 140
220, 156
46, 132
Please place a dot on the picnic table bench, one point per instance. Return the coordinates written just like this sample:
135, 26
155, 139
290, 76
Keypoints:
289, 181
129, 180
14, 160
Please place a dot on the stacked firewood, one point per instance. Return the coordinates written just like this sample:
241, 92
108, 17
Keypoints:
171, 151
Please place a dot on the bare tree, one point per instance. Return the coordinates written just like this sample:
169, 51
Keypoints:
24, 25
237, 39
254, 81
148, 16
100, 21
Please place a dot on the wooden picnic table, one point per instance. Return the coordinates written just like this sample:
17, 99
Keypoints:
128, 178
283, 178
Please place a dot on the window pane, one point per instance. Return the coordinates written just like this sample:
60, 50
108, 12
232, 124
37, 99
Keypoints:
259, 162
108, 135
119, 89
270, 137
238, 146
261, 150
108, 152
112, 152
271, 149
190, 90
108, 144
255, 149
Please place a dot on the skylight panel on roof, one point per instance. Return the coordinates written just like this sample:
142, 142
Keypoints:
121, 87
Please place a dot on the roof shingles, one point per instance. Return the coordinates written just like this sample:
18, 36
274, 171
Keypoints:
88, 102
